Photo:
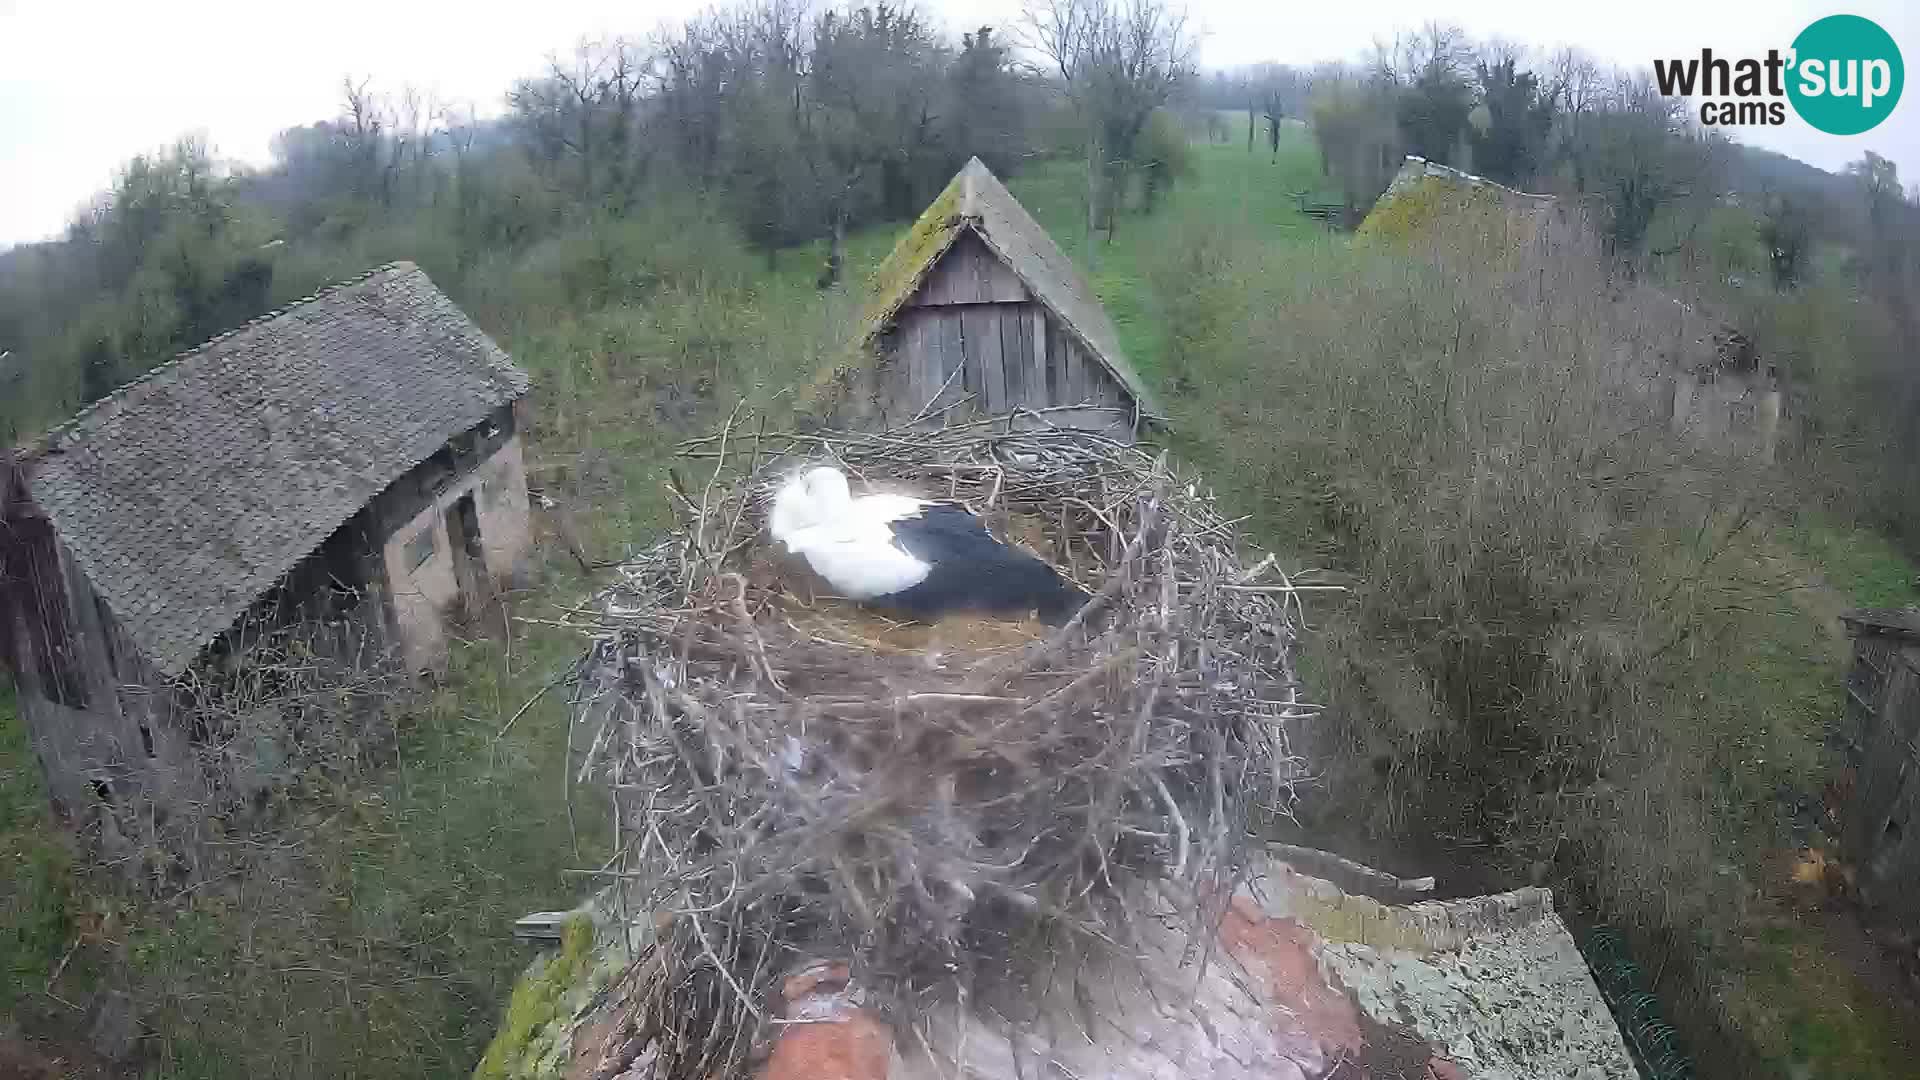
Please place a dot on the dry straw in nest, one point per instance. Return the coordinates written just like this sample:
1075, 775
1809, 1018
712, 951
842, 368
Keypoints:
786, 788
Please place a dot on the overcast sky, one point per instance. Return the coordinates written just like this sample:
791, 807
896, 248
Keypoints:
86, 85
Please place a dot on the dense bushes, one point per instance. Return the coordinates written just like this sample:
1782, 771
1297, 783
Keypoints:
1855, 391
1551, 594
1359, 138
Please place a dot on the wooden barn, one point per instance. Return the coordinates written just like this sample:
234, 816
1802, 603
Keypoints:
351, 459
977, 312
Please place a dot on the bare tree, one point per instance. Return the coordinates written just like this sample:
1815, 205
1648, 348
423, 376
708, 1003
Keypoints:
1116, 61
1437, 49
461, 126
585, 111
1577, 82
409, 150
1576, 79
381, 139
363, 127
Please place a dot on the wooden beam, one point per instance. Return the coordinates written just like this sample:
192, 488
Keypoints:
1013, 354
1073, 376
954, 370
1037, 395
984, 353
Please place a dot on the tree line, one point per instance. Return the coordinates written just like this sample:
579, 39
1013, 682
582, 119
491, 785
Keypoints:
1555, 122
794, 124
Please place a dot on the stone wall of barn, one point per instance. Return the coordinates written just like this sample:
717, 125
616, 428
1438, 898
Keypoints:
972, 342
419, 565
99, 725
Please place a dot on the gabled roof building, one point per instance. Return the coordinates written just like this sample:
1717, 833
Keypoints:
359, 445
977, 312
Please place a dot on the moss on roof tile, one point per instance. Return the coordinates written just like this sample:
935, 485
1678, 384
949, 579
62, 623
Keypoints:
1426, 197
904, 268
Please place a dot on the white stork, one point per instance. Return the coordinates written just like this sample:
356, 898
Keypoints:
912, 555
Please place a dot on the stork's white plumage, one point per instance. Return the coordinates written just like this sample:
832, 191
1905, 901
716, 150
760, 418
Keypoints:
914, 555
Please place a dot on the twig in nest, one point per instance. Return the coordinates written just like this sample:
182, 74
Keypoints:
713, 958
924, 409
739, 608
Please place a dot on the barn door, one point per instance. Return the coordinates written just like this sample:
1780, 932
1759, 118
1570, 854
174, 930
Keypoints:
469, 559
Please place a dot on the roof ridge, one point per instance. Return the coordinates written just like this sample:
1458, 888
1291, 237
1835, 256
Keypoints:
1430, 166
49, 441
1071, 280
976, 199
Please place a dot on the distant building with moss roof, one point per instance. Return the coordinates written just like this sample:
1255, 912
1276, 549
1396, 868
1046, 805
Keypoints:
1425, 194
977, 312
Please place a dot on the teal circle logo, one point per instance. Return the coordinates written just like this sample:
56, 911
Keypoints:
1846, 74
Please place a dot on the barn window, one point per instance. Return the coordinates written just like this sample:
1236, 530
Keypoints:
420, 548
437, 471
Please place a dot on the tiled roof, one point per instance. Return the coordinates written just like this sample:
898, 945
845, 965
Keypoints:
1302, 980
1896, 622
975, 199
188, 493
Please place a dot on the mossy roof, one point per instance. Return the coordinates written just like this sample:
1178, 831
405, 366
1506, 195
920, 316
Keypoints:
1425, 195
976, 200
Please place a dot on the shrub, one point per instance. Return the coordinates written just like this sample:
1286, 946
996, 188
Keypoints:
1165, 157
1359, 138
1536, 663
1850, 374
1195, 295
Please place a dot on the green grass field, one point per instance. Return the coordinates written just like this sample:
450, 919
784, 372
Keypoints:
35, 868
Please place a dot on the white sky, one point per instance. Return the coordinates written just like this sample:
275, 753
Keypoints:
85, 85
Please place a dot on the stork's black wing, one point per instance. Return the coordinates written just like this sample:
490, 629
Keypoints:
968, 568
945, 532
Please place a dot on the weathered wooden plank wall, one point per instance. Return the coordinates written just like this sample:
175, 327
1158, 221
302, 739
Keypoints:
1882, 821
1036, 337
995, 357
969, 273
972, 341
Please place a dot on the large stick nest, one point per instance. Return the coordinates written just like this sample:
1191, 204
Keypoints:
793, 778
